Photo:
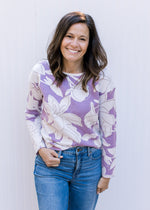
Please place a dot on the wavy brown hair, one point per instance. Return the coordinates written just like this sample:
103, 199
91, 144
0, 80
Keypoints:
95, 58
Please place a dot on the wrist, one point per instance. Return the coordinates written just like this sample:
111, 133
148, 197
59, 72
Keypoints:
106, 179
40, 150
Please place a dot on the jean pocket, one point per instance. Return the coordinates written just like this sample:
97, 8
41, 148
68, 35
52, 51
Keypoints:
39, 160
96, 153
40, 168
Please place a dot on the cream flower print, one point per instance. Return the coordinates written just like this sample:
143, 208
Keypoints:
35, 133
61, 122
107, 159
91, 118
107, 120
112, 150
76, 91
97, 143
58, 117
31, 97
34, 95
38, 68
53, 86
103, 84
86, 137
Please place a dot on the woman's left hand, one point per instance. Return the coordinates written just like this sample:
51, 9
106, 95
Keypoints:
102, 184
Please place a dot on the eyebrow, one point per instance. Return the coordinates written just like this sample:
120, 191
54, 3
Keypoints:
80, 35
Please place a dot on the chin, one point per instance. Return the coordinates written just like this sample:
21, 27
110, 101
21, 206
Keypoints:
70, 58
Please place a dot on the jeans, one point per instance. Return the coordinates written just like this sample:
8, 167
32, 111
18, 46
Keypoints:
71, 185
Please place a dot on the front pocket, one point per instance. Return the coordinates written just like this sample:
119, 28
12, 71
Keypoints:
96, 153
39, 160
40, 166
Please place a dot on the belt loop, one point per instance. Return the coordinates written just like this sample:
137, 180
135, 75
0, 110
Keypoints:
59, 154
88, 151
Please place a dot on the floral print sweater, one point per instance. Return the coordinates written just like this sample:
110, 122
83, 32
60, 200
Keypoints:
63, 117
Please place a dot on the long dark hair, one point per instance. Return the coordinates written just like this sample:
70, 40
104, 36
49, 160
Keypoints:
95, 59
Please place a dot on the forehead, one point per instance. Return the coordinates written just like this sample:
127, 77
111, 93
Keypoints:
79, 29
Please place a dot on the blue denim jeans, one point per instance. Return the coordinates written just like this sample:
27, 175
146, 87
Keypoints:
71, 185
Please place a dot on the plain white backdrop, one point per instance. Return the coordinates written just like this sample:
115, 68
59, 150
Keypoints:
124, 29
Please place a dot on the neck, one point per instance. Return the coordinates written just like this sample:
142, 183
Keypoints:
71, 67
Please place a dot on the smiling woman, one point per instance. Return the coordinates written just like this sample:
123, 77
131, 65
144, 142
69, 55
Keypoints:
94, 59
74, 46
71, 117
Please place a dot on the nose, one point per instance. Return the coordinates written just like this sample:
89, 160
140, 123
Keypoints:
74, 43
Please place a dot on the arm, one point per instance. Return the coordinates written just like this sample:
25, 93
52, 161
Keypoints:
33, 118
108, 133
33, 109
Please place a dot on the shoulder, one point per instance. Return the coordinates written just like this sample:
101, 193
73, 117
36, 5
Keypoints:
105, 83
42, 67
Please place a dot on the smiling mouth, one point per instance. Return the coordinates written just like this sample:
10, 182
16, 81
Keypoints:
73, 51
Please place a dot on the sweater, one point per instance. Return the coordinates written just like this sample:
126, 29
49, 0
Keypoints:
66, 116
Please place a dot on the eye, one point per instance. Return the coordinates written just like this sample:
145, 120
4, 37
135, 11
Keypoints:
82, 39
69, 36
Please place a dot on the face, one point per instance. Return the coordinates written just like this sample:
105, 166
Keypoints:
75, 43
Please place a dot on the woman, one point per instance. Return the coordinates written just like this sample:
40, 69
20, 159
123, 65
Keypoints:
71, 118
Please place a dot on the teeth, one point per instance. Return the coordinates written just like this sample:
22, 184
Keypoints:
73, 51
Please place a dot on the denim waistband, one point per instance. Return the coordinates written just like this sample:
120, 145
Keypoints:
77, 150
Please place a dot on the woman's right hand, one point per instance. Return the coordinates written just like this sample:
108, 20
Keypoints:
49, 156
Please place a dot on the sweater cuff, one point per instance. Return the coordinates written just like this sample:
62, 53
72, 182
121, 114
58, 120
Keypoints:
38, 147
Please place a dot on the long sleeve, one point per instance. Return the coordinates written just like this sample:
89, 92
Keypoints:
33, 109
108, 127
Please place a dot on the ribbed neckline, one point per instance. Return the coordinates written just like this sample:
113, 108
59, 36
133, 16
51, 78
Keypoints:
73, 74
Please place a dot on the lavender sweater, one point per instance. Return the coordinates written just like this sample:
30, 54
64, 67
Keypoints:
63, 117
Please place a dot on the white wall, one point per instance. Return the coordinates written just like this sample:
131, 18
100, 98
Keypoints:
124, 29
